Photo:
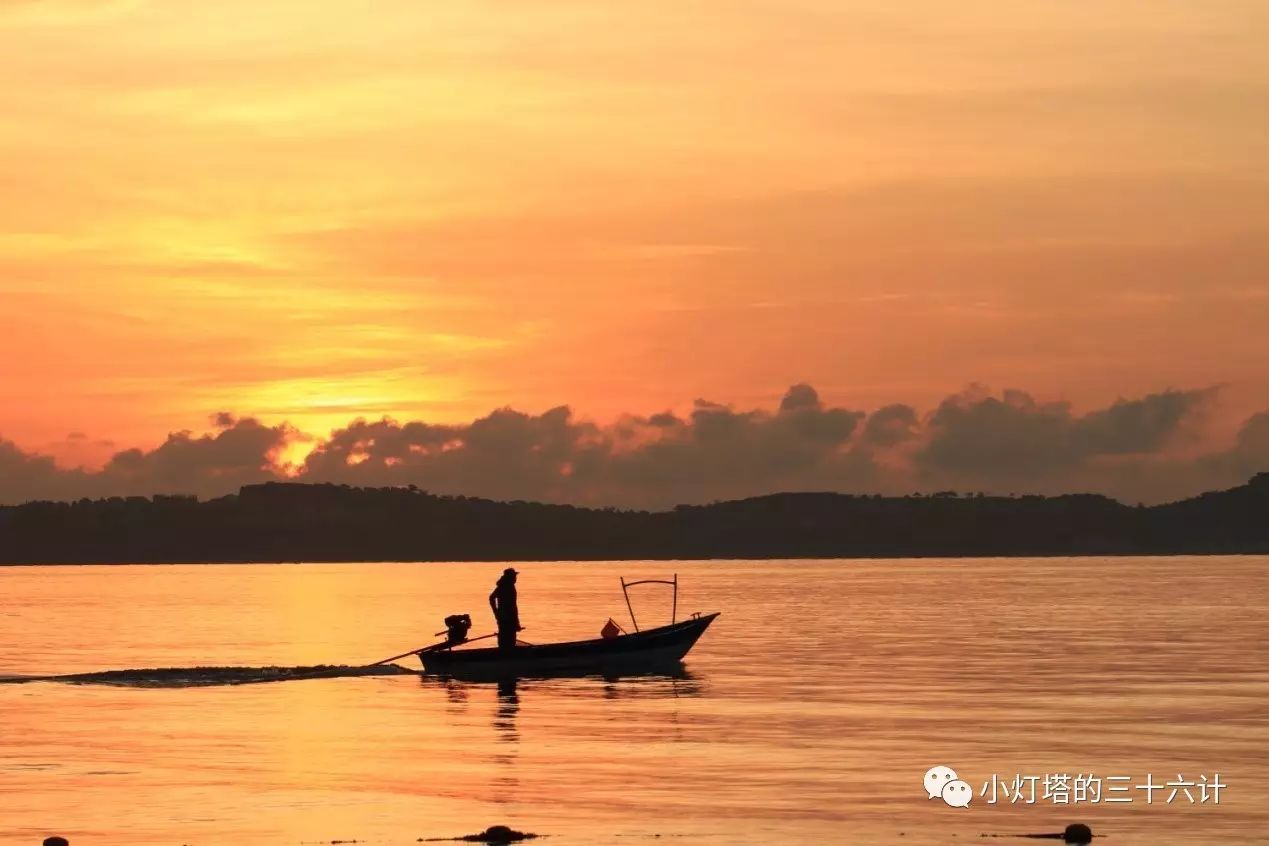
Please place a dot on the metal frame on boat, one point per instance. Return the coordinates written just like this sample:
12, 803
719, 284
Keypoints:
674, 607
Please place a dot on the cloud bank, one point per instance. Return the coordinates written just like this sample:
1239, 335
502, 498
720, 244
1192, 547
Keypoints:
1143, 449
239, 452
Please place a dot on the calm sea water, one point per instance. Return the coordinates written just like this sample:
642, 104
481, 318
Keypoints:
809, 713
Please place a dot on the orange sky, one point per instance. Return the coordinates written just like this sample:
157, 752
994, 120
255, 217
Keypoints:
428, 210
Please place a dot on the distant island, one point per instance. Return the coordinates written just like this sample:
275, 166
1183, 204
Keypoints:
303, 522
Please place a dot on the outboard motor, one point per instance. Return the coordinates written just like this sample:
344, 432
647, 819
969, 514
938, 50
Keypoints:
456, 628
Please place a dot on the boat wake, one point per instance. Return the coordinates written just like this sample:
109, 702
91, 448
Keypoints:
213, 676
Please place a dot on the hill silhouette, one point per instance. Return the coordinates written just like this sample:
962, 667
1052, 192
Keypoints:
303, 522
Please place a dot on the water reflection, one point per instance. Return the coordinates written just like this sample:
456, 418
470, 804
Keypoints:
508, 708
675, 684
672, 682
457, 696
506, 782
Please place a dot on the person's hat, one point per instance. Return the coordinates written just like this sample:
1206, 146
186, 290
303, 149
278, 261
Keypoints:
510, 571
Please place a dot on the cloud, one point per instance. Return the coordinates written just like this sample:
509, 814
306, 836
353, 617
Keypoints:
976, 439
800, 396
26, 476
656, 460
242, 452
1138, 426
1248, 455
891, 425
718, 452
507, 454
1253, 440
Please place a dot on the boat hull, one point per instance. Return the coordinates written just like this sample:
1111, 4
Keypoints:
662, 647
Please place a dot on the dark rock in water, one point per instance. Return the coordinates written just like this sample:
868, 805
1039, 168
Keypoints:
498, 834
1077, 833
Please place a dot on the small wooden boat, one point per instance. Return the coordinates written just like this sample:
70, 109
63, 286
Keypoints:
634, 652
644, 651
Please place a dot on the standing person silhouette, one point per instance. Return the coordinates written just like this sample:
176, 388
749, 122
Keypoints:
505, 610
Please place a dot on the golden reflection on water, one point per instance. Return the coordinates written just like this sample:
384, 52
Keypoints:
811, 708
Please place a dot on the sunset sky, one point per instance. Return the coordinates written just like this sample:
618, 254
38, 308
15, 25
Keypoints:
296, 215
